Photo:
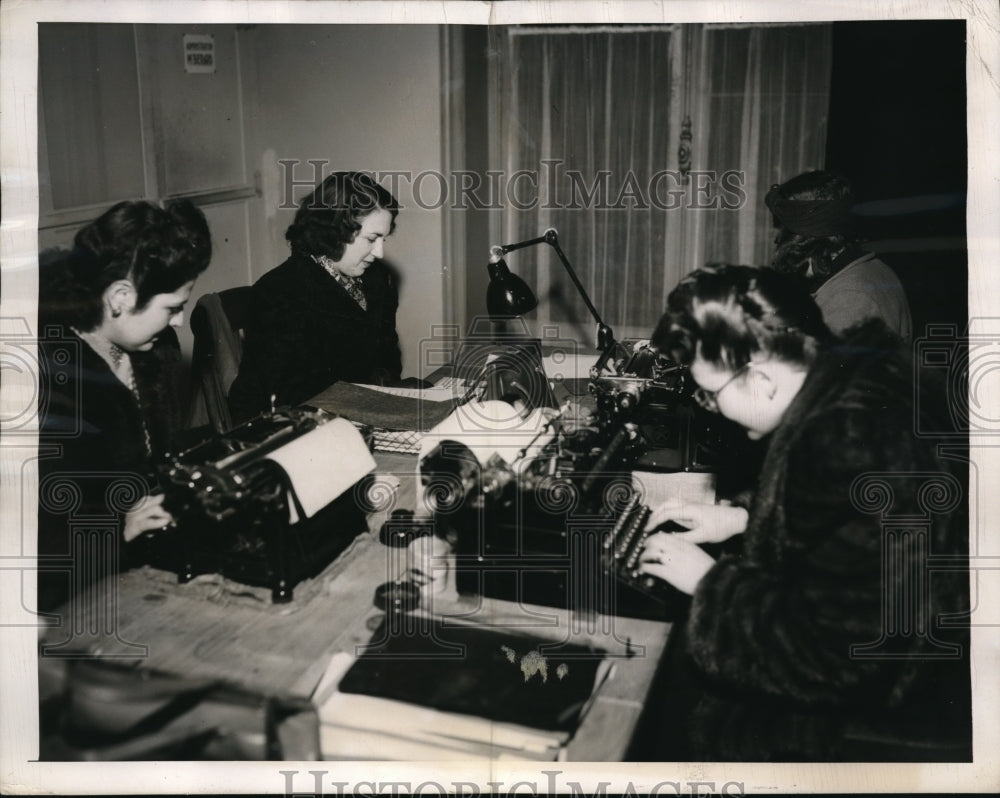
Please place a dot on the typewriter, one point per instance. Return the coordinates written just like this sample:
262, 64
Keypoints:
538, 503
268, 504
546, 514
633, 383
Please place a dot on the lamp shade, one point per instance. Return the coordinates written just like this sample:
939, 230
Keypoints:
507, 294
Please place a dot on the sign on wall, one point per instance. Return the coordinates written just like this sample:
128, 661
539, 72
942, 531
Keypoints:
199, 53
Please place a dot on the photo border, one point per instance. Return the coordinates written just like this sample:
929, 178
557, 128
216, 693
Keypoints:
20, 773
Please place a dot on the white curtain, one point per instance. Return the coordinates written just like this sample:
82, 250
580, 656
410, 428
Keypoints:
591, 123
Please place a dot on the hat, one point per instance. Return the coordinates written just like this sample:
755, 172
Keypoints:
814, 218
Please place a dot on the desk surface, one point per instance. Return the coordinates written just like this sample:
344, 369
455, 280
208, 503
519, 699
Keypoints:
199, 629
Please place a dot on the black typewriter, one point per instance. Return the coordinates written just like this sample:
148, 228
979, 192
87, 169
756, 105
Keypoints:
238, 514
556, 520
562, 526
634, 383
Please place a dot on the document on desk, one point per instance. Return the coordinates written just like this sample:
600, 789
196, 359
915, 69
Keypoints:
384, 408
687, 486
496, 697
493, 428
436, 393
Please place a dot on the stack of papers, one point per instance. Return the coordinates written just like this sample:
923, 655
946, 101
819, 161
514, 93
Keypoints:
496, 698
358, 727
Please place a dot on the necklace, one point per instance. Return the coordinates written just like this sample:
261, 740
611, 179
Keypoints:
142, 418
121, 366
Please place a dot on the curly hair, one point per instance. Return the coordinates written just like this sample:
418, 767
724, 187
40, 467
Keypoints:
812, 216
330, 217
729, 314
157, 249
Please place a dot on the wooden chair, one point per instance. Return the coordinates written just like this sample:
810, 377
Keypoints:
217, 322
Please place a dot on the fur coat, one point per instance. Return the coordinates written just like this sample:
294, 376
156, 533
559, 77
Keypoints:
798, 649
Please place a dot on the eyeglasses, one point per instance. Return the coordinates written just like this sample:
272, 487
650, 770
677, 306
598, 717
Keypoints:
709, 400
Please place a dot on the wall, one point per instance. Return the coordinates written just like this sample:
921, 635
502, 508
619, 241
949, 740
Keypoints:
202, 129
352, 96
356, 97
120, 118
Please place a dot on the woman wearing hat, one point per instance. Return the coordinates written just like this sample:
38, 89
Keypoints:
815, 238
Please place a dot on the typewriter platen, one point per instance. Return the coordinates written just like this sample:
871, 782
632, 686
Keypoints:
242, 511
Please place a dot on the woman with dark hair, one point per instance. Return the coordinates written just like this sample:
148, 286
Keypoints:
816, 238
328, 313
798, 646
103, 309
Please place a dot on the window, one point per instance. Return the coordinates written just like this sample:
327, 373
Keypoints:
650, 150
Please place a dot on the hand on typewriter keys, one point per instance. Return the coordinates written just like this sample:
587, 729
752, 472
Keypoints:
703, 523
146, 516
674, 560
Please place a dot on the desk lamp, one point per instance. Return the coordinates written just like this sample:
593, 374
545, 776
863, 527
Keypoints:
508, 295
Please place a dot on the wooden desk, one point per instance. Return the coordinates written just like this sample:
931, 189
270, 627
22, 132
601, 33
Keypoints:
200, 630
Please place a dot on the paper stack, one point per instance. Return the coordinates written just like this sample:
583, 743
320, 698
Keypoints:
360, 727
485, 704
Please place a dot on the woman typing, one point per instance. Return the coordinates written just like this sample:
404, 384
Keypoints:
103, 308
793, 640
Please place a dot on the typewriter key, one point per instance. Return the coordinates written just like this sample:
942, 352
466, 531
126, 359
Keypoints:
397, 597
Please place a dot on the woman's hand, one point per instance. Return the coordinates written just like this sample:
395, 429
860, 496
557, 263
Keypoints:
674, 560
146, 516
706, 523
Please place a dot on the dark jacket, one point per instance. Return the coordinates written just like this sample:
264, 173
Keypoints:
93, 461
306, 332
772, 628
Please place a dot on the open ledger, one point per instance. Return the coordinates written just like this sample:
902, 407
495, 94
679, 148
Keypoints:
456, 692
398, 416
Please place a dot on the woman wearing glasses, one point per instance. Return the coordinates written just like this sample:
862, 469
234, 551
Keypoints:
783, 635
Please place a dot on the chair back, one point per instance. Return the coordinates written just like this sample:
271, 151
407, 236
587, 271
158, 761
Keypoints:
217, 322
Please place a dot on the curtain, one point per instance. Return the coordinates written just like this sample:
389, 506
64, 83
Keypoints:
591, 126
770, 86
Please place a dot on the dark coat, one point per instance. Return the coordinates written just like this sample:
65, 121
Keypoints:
93, 460
306, 332
772, 628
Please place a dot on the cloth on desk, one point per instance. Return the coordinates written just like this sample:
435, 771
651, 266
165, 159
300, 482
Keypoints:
222, 591
379, 409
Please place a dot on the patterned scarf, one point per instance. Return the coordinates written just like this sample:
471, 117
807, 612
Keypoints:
350, 284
